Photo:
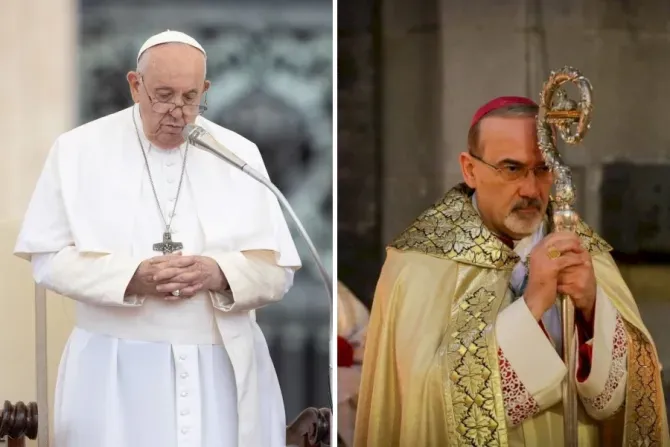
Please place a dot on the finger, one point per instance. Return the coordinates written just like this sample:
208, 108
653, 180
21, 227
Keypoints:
562, 236
161, 265
574, 271
568, 260
170, 287
164, 258
566, 289
147, 274
567, 246
187, 277
192, 290
564, 278
167, 274
181, 261
565, 274
580, 270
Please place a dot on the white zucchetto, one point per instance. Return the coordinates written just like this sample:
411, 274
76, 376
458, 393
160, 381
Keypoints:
170, 37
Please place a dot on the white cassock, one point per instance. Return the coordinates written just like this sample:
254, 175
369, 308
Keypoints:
143, 371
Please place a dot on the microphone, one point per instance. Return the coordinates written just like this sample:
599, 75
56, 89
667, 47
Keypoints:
200, 138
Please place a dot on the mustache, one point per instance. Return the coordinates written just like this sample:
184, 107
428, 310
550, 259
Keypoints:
527, 203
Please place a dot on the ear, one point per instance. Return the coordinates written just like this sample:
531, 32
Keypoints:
468, 169
134, 85
207, 86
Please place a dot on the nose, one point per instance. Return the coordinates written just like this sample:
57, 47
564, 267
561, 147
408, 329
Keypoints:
529, 186
178, 112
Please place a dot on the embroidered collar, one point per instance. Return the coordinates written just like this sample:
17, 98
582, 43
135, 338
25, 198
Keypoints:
452, 229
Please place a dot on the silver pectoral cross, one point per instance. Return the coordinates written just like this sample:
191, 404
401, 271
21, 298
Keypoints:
167, 246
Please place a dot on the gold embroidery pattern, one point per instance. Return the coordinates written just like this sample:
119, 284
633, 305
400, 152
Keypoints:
644, 393
452, 229
471, 376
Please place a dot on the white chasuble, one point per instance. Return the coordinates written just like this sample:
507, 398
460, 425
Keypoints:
142, 370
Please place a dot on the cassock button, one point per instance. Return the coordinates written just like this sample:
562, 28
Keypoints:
170, 180
184, 394
184, 412
184, 375
184, 430
182, 357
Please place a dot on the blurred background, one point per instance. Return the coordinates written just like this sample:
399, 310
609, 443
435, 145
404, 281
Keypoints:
411, 75
270, 63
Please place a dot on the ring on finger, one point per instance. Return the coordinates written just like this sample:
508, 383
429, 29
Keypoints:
553, 252
176, 293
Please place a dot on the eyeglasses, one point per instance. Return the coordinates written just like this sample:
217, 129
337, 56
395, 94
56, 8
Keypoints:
512, 172
168, 107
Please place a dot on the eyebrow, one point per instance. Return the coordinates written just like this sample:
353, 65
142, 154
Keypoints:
170, 89
511, 161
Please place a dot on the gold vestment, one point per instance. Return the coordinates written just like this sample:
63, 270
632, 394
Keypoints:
430, 370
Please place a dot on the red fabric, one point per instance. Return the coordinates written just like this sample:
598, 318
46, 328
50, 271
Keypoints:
543, 329
584, 362
498, 103
518, 410
506, 240
519, 403
584, 333
345, 353
584, 329
585, 352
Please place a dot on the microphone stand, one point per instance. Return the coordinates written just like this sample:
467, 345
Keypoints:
191, 134
41, 366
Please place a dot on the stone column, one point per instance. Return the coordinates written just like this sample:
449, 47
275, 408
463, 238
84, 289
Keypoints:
410, 112
38, 45
359, 152
388, 128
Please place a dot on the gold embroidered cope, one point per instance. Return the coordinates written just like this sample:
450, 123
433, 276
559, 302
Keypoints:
463, 296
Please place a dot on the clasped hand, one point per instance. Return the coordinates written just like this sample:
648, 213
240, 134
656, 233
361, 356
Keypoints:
163, 275
571, 274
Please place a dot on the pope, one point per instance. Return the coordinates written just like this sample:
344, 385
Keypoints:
168, 252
